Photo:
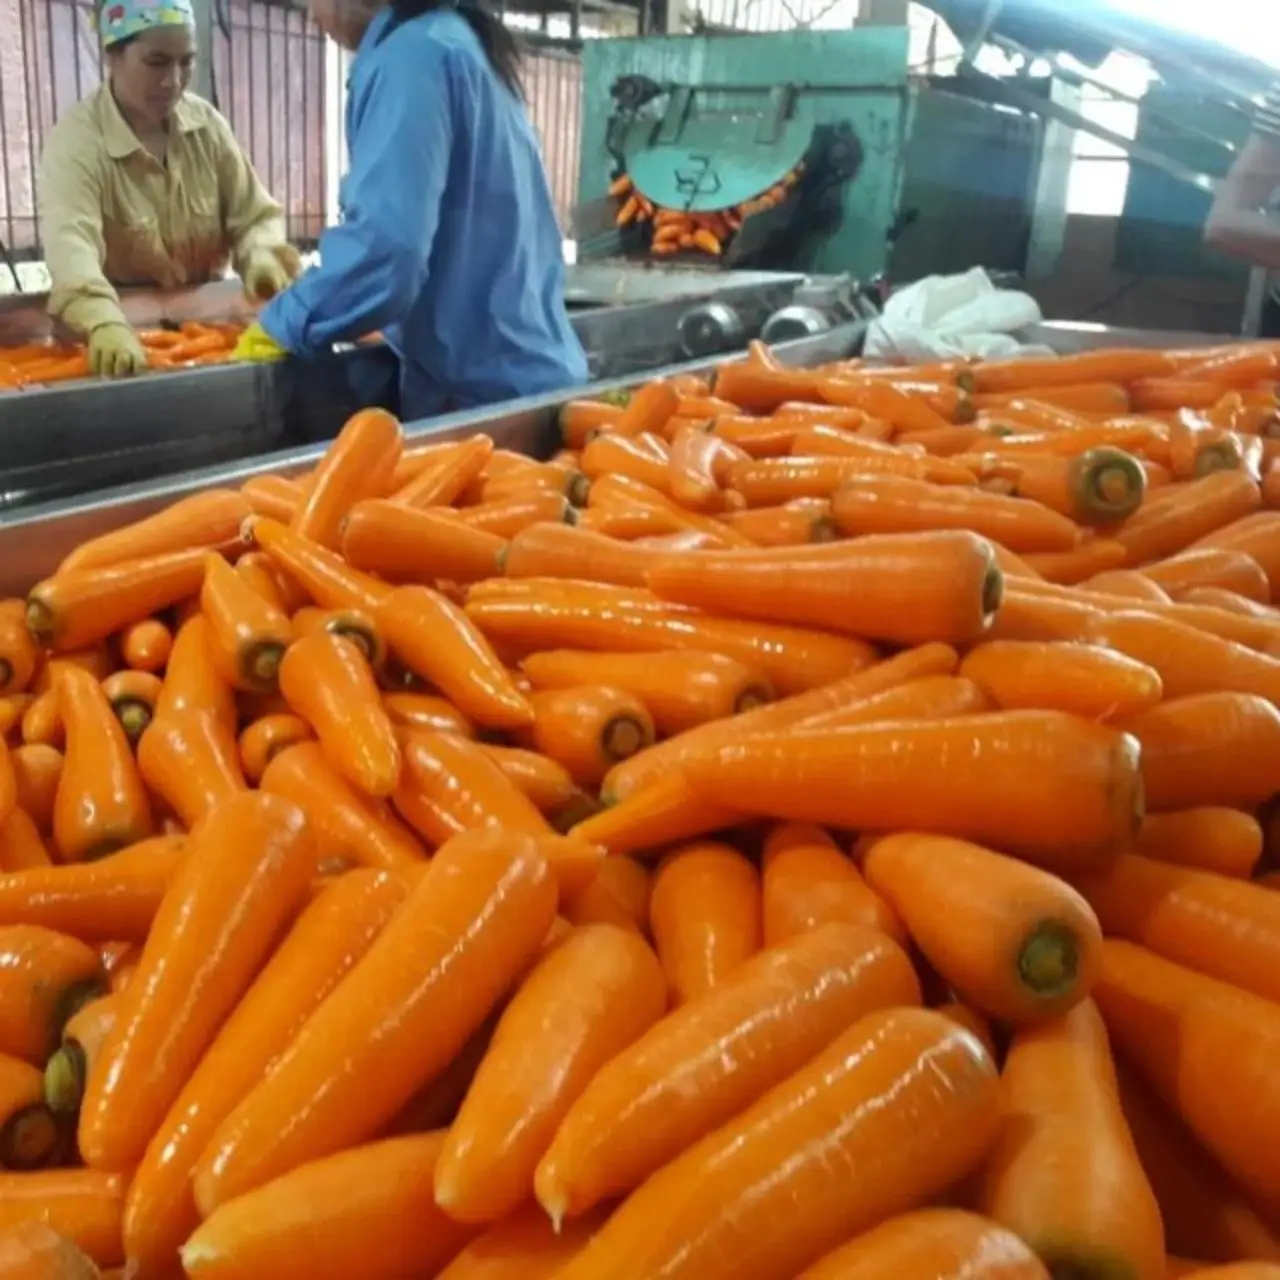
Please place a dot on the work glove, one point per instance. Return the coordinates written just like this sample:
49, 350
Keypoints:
268, 271
115, 352
257, 346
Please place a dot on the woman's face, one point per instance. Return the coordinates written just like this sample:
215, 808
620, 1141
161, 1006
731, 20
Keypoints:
151, 72
344, 21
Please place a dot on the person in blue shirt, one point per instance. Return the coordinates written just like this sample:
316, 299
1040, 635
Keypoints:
448, 243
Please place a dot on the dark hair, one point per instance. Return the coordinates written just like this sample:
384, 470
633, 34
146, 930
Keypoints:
498, 41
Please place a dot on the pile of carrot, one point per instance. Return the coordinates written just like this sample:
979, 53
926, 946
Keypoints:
190, 345
814, 827
679, 230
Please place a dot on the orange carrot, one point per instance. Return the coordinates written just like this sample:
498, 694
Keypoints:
358, 464
192, 681
768, 482
1016, 943
1106, 365
587, 729
81, 606
426, 711
274, 496
708, 1060
473, 922
81, 1205
327, 941
80, 1054
21, 845
927, 1128
146, 645
884, 777
1175, 523
524, 1246
547, 784
559, 551
1127, 584
44, 978
265, 738
19, 656
248, 635
41, 725
447, 476
620, 894
586, 1002
909, 589
203, 521
324, 576
793, 525
580, 419
406, 544
436, 639
101, 804
1086, 680
189, 760
1063, 1116
1224, 841
1212, 567
28, 1130
1210, 749
37, 769
1093, 556
506, 516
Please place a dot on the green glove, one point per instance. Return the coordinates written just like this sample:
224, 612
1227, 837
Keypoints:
268, 271
115, 352
257, 346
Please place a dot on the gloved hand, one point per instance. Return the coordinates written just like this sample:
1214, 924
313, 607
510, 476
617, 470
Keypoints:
268, 271
115, 352
257, 346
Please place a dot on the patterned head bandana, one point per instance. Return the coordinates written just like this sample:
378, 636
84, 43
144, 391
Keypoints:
120, 19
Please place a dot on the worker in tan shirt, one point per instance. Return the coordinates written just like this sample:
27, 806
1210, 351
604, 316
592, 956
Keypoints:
143, 183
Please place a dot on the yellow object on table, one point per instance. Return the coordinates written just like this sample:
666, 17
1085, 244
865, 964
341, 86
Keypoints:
257, 346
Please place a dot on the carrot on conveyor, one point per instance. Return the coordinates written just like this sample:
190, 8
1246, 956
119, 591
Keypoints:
427, 711
1128, 584
770, 482
1099, 486
524, 1246
561, 551
587, 729
191, 679
1224, 841
264, 739
619, 894
321, 573
188, 759
44, 978
132, 696
409, 544
793, 525
1212, 567
1170, 525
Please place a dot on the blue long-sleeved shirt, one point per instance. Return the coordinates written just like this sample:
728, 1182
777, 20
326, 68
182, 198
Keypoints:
449, 243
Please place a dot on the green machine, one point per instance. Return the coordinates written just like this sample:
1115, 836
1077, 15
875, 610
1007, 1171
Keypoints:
885, 172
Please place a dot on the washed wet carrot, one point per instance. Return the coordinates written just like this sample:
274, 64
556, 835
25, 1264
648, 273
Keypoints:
941, 586
524, 1246
948, 1244
263, 576
506, 516
647, 409
1013, 941
21, 844
347, 822
1087, 680
792, 525
427, 711
41, 725
406, 544
1063, 1118
439, 641
1195, 512
679, 689
146, 645
1216, 598
265, 738
326, 680
559, 551
28, 1130
1215, 568
819, 439
1224, 841
204, 521
192, 681
350, 624
1096, 487
1209, 749
1176, 1028
1111, 365
358, 464
33, 1251
12, 708
1128, 584
276, 1229
132, 696
972, 1021
826, 1114
706, 917
586, 1002
1253, 535
325, 943
323, 575
248, 635
188, 759
994, 791
526, 478
619, 894
244, 873
81, 1205
274, 496
886, 401
581, 419
81, 606
101, 803
1203, 1214
767, 482
44, 978
617, 489
8, 782
440, 483
19, 656
808, 882
696, 455
473, 921
98, 659
547, 784
80, 1053
587, 729
702, 1064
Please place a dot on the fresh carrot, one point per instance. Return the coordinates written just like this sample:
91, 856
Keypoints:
101, 803
8, 783
326, 680
44, 978
80, 1054
41, 726
1254, 536
559, 551
265, 738
808, 882
274, 496
1216, 598
406, 544
1203, 507
1064, 1123
324, 576
244, 873
21, 844
648, 408
679, 689
248, 635
13, 707
768, 482
1108, 365
1210, 749
793, 525
426, 711
707, 1061
696, 457
587, 729
929, 1129
547, 784
81, 1205
81, 606
1087, 680
1013, 941
884, 777
1127, 584
146, 645
440, 483
436, 639
947, 1244
506, 516
587, 1001
909, 589
1224, 841
473, 922
524, 1246
1177, 1027
33, 1251
349, 624
1212, 567
347, 823
619, 894
358, 464
328, 940
580, 419
192, 681
19, 656
132, 696
204, 521
28, 1130
114, 898
1096, 487
189, 760
884, 400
